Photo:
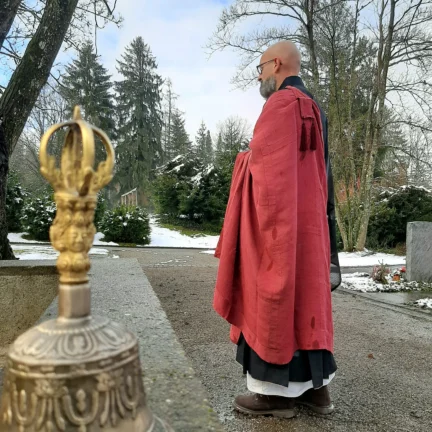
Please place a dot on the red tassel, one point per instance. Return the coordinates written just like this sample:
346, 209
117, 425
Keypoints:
313, 145
303, 140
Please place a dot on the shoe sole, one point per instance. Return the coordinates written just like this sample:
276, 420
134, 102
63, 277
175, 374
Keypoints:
286, 413
317, 409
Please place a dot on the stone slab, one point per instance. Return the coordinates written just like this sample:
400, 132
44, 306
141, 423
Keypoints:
419, 251
27, 288
28, 267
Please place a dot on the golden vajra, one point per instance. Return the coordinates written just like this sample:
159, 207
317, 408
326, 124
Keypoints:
78, 372
76, 185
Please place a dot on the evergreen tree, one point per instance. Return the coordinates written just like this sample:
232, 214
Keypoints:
88, 85
180, 142
219, 144
169, 98
204, 145
139, 148
200, 143
209, 147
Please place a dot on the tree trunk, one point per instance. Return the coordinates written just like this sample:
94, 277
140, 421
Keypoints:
5, 249
341, 225
24, 87
309, 11
384, 58
8, 11
33, 71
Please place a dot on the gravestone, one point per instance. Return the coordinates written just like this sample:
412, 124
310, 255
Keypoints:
419, 251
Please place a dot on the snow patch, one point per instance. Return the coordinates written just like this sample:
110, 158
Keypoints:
425, 303
176, 168
169, 238
362, 282
32, 252
18, 238
369, 259
98, 241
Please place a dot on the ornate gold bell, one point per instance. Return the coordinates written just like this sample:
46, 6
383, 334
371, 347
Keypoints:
75, 373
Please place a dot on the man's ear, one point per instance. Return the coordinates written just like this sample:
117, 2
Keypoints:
277, 65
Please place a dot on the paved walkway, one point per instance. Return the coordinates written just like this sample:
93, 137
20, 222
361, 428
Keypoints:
384, 353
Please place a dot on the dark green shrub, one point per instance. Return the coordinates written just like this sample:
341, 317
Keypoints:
392, 212
101, 207
126, 224
193, 195
15, 201
38, 216
166, 195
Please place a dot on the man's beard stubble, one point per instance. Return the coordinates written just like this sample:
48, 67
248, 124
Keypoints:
268, 87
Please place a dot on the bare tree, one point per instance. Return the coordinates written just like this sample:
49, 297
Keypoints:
419, 158
168, 109
50, 108
29, 77
403, 39
89, 16
8, 10
297, 23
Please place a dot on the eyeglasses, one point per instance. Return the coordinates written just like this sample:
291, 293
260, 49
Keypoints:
260, 66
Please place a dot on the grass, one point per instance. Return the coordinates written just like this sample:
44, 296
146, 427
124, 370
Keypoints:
128, 245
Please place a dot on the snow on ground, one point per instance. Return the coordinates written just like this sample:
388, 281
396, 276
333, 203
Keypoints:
364, 283
425, 303
99, 242
18, 238
360, 259
369, 259
32, 252
169, 238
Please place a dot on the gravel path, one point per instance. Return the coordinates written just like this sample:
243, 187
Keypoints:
384, 355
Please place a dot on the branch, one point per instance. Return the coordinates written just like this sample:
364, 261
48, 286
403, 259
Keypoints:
408, 153
409, 123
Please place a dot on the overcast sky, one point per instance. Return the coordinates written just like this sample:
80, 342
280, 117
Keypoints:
177, 32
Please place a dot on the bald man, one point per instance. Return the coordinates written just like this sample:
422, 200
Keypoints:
277, 247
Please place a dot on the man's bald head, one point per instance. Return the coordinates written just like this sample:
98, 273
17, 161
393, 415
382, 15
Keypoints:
289, 55
278, 62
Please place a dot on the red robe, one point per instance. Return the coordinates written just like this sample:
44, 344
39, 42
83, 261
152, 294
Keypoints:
273, 281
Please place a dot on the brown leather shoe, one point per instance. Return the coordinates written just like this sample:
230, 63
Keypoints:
317, 400
257, 404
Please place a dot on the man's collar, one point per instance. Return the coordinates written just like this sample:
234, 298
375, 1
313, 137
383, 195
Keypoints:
293, 81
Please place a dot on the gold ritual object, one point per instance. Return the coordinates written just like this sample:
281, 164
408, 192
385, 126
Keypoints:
76, 373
